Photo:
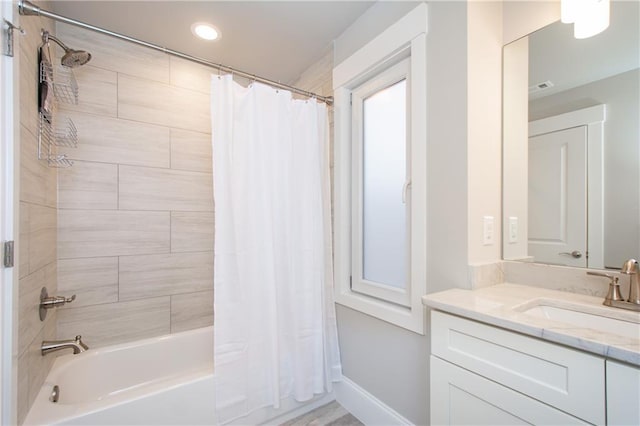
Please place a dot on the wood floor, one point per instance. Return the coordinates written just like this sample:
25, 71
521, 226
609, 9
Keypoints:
332, 414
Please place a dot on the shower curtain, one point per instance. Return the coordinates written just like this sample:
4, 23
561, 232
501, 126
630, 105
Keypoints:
275, 325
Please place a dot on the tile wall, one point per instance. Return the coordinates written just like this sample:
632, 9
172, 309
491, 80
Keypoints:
135, 212
36, 242
318, 79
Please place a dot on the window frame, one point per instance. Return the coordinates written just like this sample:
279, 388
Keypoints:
404, 39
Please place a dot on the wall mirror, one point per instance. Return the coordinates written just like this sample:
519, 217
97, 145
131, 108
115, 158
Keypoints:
571, 144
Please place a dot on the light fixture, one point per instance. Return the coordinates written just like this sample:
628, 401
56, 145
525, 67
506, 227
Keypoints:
594, 19
569, 11
205, 31
590, 17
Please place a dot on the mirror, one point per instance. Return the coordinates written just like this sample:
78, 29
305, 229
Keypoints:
571, 144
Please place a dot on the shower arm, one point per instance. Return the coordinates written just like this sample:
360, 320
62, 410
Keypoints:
46, 36
27, 8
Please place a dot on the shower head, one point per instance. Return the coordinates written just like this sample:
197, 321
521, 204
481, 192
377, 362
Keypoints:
72, 58
75, 58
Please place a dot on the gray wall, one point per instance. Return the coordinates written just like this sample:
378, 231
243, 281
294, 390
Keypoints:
390, 362
621, 155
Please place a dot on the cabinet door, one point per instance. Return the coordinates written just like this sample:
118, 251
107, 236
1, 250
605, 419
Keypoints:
623, 394
459, 397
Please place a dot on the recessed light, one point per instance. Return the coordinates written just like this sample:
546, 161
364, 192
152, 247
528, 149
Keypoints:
205, 31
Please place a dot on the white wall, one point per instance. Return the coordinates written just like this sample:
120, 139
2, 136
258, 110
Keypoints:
447, 158
523, 17
484, 136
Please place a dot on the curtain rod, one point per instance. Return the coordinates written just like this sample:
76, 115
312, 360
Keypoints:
29, 9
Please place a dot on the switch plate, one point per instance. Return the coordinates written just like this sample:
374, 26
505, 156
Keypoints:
513, 229
487, 233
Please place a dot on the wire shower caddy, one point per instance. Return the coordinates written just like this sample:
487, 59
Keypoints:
52, 132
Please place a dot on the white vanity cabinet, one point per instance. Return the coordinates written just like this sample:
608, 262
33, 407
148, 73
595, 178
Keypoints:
482, 374
623, 394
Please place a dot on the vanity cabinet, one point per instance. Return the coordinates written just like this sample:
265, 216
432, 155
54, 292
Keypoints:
623, 394
482, 374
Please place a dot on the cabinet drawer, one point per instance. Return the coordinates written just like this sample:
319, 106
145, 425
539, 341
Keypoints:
570, 380
459, 397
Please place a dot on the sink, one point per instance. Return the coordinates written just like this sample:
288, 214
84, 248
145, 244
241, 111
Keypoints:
585, 316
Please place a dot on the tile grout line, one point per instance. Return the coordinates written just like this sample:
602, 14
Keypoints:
117, 95
118, 268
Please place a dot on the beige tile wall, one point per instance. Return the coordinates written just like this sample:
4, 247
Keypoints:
135, 218
38, 226
318, 78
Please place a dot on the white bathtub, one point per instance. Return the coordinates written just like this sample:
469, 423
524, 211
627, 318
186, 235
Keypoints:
158, 381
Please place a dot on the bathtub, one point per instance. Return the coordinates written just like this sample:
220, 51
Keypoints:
159, 381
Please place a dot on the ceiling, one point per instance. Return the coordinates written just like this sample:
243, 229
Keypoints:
273, 39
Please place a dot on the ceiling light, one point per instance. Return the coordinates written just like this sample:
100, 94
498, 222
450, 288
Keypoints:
593, 19
569, 11
205, 31
589, 17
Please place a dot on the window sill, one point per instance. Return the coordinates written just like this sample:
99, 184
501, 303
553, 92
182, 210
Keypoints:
409, 318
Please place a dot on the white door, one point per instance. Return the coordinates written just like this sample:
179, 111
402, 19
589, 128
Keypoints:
558, 197
8, 278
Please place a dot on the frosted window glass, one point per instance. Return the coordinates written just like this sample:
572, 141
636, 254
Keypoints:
384, 174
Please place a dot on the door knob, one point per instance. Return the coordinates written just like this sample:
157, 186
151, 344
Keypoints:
577, 254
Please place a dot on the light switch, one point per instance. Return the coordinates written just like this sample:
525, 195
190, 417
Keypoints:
513, 229
487, 234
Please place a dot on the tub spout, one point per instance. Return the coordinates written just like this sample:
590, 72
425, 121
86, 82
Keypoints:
55, 345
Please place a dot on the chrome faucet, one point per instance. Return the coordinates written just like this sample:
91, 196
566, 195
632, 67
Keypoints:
631, 267
55, 345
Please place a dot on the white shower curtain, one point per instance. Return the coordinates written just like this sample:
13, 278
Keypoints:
275, 325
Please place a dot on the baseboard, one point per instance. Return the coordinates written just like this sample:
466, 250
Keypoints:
366, 407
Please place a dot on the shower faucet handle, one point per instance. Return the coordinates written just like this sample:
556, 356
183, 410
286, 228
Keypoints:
55, 301
49, 302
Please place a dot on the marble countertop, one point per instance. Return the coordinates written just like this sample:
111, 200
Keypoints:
502, 305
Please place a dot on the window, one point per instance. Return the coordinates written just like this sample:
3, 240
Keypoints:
380, 185
380, 175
